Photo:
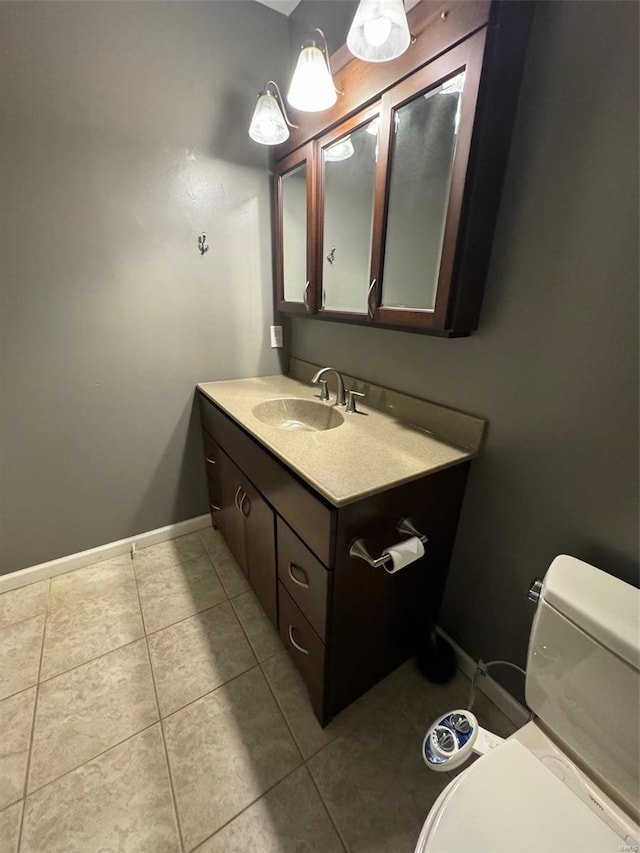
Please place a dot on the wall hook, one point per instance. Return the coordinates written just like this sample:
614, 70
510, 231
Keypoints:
203, 246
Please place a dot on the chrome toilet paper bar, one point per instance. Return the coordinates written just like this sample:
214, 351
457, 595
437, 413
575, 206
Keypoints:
359, 549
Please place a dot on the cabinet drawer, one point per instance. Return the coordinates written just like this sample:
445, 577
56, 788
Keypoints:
295, 502
211, 453
304, 576
212, 466
304, 646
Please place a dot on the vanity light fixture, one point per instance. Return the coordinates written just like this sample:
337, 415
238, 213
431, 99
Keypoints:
340, 150
379, 31
312, 89
270, 123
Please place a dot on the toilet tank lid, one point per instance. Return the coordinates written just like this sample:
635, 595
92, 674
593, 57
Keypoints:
604, 607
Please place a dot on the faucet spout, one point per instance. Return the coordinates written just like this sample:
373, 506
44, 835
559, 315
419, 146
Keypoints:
340, 395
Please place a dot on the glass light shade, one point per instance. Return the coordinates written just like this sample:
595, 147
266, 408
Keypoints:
379, 31
268, 126
311, 88
340, 150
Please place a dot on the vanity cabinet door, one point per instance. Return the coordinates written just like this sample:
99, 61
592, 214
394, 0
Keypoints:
260, 537
232, 521
295, 231
424, 155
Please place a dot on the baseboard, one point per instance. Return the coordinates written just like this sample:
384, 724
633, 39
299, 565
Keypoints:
23, 577
500, 697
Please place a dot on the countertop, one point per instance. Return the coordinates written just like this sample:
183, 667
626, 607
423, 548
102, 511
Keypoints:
369, 453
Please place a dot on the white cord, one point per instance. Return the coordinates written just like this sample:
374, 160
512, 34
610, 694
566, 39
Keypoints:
481, 669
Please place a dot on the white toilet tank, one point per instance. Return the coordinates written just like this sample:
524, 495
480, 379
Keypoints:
583, 673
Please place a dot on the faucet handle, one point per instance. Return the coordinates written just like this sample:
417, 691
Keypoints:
324, 388
351, 400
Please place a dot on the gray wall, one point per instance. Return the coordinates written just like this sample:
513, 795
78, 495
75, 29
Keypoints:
554, 366
123, 135
332, 16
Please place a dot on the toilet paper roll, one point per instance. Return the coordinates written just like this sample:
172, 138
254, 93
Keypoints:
403, 554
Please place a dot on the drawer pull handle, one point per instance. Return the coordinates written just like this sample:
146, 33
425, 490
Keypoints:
304, 583
235, 497
215, 508
210, 460
293, 642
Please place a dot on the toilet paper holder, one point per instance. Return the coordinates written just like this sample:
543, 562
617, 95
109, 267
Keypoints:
359, 549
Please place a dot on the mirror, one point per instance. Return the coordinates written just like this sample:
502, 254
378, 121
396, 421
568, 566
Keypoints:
423, 149
349, 188
294, 233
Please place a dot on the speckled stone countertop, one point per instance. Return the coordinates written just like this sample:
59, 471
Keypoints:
370, 452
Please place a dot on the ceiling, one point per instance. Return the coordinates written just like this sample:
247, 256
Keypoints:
285, 7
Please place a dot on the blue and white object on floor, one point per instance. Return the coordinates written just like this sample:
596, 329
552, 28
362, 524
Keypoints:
450, 740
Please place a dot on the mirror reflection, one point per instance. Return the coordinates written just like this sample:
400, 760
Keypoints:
294, 233
423, 149
349, 187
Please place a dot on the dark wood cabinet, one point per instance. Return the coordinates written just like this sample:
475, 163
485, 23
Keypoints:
231, 520
214, 482
247, 523
344, 623
260, 532
403, 178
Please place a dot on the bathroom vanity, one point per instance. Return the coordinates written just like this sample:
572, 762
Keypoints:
291, 501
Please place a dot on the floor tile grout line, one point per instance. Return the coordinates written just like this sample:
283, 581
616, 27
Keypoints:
24, 618
341, 838
251, 646
244, 809
91, 660
87, 598
186, 618
209, 692
215, 568
32, 731
93, 758
174, 801
304, 760
178, 564
281, 709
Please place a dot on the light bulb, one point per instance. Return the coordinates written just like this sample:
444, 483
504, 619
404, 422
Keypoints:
268, 126
377, 31
311, 88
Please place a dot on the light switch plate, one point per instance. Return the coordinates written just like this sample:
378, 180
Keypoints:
276, 336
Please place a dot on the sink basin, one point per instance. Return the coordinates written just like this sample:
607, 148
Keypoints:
291, 413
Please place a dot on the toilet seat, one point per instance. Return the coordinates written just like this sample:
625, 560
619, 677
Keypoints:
509, 801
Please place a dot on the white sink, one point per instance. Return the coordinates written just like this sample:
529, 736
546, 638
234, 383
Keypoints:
291, 413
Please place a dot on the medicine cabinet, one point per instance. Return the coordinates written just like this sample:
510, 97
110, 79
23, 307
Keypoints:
384, 215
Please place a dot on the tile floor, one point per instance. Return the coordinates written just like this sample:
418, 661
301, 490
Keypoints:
147, 705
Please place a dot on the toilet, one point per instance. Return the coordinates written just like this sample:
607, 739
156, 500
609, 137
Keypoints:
567, 781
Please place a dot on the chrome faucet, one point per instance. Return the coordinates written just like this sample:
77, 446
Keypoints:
317, 379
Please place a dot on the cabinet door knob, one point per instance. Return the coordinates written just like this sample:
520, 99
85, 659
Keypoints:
235, 497
371, 306
215, 508
210, 460
303, 583
293, 642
